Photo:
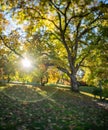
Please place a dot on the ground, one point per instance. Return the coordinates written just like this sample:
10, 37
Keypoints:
49, 108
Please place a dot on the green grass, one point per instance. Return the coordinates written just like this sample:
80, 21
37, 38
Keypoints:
49, 108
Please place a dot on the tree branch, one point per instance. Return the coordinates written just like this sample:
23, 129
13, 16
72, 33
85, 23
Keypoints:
65, 15
13, 50
76, 39
49, 21
56, 37
63, 70
79, 64
88, 29
68, 4
59, 67
86, 66
58, 10
60, 24
84, 42
76, 16
85, 31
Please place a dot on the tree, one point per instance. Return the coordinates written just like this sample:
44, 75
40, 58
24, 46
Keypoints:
65, 25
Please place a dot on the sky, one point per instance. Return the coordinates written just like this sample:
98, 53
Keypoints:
12, 25
105, 1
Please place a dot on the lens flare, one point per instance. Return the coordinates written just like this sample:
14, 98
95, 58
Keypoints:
26, 63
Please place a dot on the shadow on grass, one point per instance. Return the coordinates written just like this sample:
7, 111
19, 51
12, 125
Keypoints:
63, 110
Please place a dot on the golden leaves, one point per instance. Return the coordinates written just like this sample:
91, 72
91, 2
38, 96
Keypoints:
3, 22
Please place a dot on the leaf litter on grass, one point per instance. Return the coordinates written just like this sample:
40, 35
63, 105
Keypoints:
62, 110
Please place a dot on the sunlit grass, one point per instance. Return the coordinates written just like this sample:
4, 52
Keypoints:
87, 94
91, 95
3, 87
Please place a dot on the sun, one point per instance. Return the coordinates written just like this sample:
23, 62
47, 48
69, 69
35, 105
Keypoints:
26, 63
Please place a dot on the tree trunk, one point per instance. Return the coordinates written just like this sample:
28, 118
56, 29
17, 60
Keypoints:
74, 83
44, 80
8, 80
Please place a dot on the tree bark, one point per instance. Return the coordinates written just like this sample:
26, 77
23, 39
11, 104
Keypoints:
74, 83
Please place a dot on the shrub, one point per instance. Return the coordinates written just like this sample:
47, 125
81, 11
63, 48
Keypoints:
2, 83
97, 92
105, 92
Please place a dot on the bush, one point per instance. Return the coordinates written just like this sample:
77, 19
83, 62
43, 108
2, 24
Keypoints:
97, 92
100, 92
105, 92
87, 89
2, 83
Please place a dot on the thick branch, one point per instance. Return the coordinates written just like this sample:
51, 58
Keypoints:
76, 39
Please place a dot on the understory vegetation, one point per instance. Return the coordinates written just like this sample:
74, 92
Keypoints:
49, 108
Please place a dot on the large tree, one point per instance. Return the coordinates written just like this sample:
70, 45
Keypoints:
67, 28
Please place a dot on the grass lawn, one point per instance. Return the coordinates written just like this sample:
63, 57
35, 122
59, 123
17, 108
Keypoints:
49, 108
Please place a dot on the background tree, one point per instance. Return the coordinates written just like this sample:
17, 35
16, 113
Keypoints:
97, 61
